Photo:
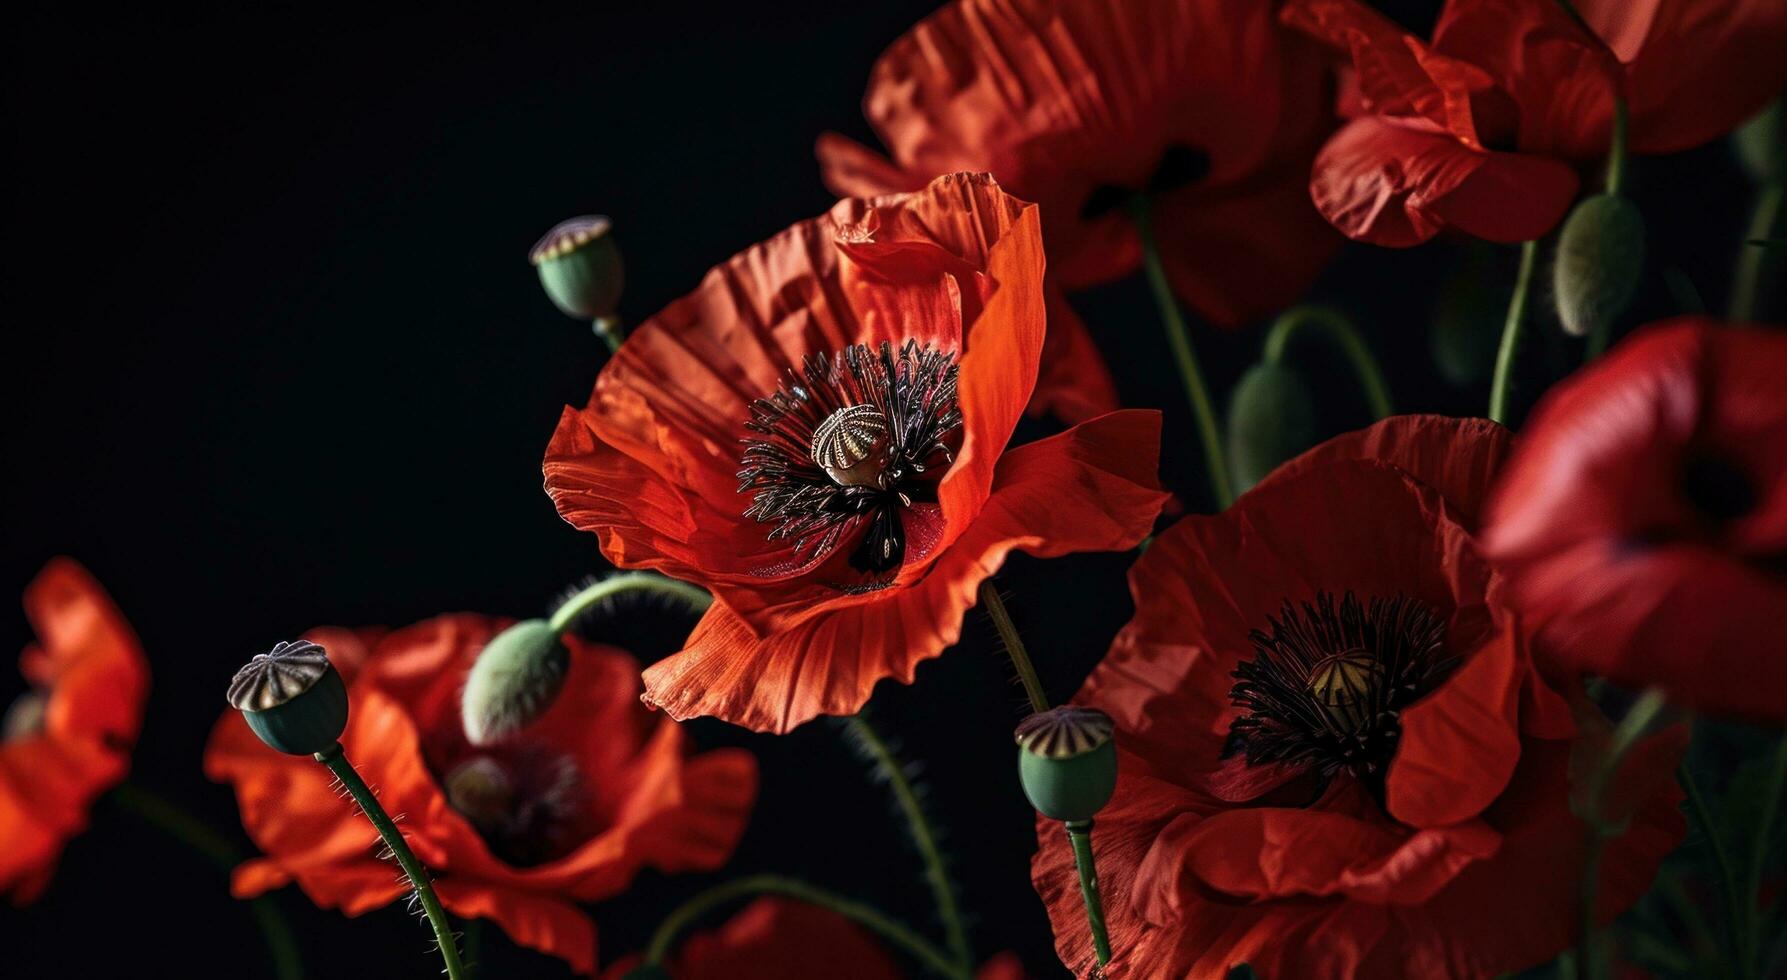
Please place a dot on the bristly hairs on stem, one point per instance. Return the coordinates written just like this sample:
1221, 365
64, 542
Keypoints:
689, 602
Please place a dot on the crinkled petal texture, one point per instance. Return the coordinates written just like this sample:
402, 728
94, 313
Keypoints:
637, 798
1077, 105
650, 464
1474, 813
1643, 520
90, 679
775, 938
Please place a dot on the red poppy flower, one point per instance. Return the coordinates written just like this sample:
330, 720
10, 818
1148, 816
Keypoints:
1207, 105
1484, 128
69, 738
1643, 520
817, 435
777, 938
569, 811
1337, 758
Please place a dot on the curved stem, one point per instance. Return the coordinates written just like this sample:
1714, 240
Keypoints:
381, 821
610, 330
936, 874
1216, 461
170, 819
1014, 646
1754, 252
1079, 833
1344, 335
1752, 895
1511, 327
1590, 961
864, 915
1722, 866
692, 596
1616, 150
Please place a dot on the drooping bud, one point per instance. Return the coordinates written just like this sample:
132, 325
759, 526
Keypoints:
515, 679
580, 267
1067, 761
292, 697
1600, 256
1271, 419
1761, 144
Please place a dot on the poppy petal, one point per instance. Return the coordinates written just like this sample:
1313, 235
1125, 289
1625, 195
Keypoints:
540, 922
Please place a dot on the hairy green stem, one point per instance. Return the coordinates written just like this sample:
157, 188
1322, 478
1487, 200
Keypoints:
1516, 320
1344, 335
1591, 960
1216, 461
942, 889
1722, 866
1014, 646
1754, 252
172, 820
337, 761
692, 596
1079, 833
865, 915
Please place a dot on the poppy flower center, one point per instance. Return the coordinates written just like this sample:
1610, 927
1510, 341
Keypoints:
1717, 488
847, 444
1328, 681
523, 802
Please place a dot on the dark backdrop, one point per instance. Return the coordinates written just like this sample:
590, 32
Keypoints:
274, 358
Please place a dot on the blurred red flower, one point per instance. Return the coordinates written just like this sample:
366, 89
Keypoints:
1642, 522
1483, 129
566, 812
1206, 105
69, 738
873, 363
1337, 758
777, 938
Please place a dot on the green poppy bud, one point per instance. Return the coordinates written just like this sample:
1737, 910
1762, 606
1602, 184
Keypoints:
580, 267
515, 679
1762, 144
1271, 419
1067, 761
1600, 255
292, 697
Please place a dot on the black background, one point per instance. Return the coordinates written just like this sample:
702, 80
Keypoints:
274, 358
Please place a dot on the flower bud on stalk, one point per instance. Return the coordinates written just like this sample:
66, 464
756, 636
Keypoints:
514, 680
1271, 419
1600, 255
1067, 763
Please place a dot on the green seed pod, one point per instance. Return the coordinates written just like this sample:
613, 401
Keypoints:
292, 697
1761, 144
515, 679
580, 267
1271, 419
1600, 256
1067, 761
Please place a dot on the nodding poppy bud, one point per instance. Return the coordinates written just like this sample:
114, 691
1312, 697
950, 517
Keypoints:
580, 267
1271, 419
1600, 255
515, 679
1067, 761
292, 697
1762, 144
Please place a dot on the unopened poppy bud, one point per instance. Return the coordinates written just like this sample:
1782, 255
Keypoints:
580, 267
292, 697
1067, 761
1762, 144
1271, 419
515, 679
1600, 255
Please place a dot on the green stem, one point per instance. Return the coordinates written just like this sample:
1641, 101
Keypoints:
1722, 866
1341, 331
1752, 896
473, 932
170, 819
1014, 646
1209, 433
610, 330
1516, 319
936, 874
692, 596
865, 915
1754, 252
1616, 150
336, 760
1591, 962
1079, 833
